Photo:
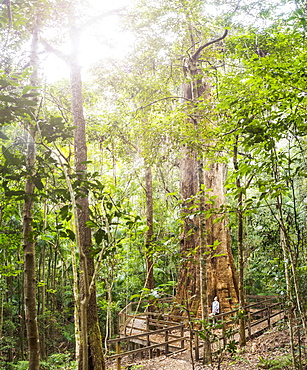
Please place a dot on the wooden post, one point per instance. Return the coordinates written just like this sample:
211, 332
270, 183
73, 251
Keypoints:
166, 342
224, 334
249, 324
196, 346
269, 317
148, 344
118, 360
182, 336
147, 322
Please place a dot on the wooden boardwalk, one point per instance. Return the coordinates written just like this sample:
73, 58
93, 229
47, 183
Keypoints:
153, 333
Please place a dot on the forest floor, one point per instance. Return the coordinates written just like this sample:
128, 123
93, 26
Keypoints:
273, 346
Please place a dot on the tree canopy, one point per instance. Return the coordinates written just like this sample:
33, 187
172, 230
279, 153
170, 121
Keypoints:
118, 177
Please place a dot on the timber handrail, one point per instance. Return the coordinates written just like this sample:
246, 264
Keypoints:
152, 332
270, 306
128, 313
177, 338
267, 314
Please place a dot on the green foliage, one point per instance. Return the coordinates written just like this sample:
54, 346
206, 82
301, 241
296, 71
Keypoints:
135, 118
209, 331
281, 362
232, 346
57, 361
266, 109
55, 129
21, 365
136, 367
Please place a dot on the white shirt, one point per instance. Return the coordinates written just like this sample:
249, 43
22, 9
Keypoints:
215, 307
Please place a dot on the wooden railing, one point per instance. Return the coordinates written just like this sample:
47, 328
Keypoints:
138, 309
169, 338
260, 310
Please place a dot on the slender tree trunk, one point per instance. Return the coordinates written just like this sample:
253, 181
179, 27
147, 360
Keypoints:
75, 227
43, 305
109, 320
49, 296
287, 245
52, 300
150, 283
21, 312
76, 299
288, 255
92, 352
30, 268
289, 306
207, 358
291, 281
1, 295
240, 252
44, 296
28, 236
9, 284
42, 268
1, 309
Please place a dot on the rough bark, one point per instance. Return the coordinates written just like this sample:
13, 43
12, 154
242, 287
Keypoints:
28, 237
240, 250
222, 278
207, 357
91, 352
77, 301
91, 338
220, 270
150, 282
188, 278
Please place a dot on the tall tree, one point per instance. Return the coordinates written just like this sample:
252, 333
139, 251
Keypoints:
221, 275
150, 282
266, 121
28, 233
92, 353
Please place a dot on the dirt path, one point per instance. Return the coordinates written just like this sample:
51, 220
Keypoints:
270, 345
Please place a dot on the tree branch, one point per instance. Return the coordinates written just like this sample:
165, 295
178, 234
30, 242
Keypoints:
49, 48
93, 20
168, 97
200, 49
90, 22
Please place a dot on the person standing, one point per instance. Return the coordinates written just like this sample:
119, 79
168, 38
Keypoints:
215, 307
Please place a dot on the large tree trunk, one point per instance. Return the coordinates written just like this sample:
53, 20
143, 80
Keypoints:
222, 277
188, 278
220, 268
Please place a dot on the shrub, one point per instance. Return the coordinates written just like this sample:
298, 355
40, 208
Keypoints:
59, 361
